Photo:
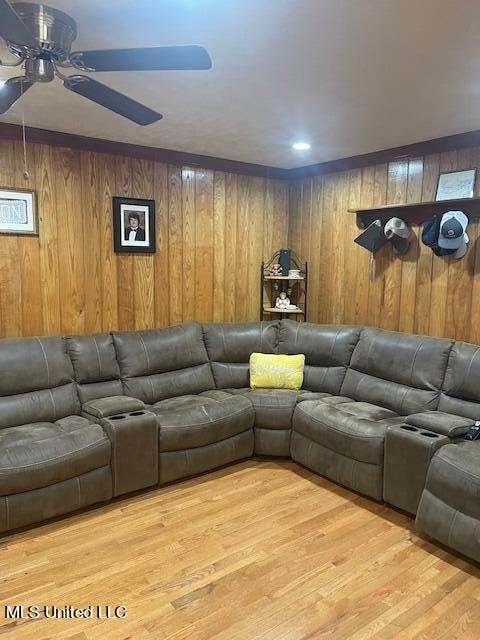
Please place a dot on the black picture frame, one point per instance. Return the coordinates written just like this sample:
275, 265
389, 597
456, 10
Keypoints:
125, 212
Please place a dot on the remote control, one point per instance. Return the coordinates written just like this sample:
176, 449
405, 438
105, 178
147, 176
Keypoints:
474, 433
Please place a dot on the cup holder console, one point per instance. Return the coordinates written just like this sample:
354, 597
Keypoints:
408, 447
122, 416
134, 438
427, 434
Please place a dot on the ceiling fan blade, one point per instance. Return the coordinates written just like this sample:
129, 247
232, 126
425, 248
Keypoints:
11, 91
111, 99
13, 29
188, 57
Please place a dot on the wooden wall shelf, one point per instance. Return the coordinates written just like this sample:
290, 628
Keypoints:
283, 278
284, 311
416, 212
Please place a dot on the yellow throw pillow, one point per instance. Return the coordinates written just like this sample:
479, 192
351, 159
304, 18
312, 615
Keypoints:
269, 371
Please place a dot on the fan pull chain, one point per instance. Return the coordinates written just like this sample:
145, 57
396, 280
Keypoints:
26, 174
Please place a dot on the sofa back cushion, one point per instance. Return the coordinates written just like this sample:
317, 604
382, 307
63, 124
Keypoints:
400, 371
327, 349
163, 363
95, 366
36, 381
230, 345
461, 389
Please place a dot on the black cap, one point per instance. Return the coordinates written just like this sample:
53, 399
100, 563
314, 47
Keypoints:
430, 233
451, 229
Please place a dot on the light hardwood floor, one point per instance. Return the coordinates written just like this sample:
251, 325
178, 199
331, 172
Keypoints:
259, 551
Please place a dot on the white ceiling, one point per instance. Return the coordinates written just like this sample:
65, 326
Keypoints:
349, 76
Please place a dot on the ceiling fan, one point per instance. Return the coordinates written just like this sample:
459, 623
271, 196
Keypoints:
41, 37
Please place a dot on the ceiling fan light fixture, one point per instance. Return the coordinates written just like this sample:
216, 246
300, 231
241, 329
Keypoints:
40, 37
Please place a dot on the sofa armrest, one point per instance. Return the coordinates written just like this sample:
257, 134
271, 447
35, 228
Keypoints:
439, 422
104, 407
134, 439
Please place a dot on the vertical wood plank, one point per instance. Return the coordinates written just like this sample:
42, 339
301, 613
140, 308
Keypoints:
161, 259
243, 219
438, 299
175, 246
204, 262
376, 290
31, 322
111, 291
126, 292
423, 289
143, 267
219, 230
231, 247
92, 242
324, 264
396, 194
188, 236
255, 245
49, 267
70, 240
335, 261
280, 217
315, 282
353, 188
362, 283
409, 260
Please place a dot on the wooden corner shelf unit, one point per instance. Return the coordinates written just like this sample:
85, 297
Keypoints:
295, 288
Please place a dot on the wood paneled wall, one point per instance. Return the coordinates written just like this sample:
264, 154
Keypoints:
213, 230
418, 292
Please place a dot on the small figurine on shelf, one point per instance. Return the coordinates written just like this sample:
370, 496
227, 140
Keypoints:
274, 271
282, 302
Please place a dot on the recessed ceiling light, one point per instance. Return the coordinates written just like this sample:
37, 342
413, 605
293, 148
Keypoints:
301, 146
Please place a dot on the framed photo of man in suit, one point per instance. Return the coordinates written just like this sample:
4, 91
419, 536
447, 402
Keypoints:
133, 225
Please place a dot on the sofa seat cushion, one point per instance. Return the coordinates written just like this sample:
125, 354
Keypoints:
274, 407
190, 421
354, 429
43, 453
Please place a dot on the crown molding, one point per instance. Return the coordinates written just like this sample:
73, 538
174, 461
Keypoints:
436, 145
98, 145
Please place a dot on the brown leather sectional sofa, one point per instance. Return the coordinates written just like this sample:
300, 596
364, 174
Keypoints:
87, 418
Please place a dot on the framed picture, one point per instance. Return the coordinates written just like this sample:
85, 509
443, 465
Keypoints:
456, 184
18, 212
133, 225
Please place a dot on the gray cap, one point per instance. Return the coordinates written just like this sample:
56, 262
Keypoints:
398, 232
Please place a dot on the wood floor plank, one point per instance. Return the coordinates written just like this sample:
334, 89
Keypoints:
261, 550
